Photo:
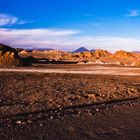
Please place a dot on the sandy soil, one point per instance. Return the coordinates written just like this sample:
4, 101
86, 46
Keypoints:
44, 105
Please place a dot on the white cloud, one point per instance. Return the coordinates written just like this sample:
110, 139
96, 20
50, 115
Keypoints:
64, 39
6, 20
110, 43
36, 37
37, 32
133, 13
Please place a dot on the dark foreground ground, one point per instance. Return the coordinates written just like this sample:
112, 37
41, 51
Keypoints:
69, 107
116, 121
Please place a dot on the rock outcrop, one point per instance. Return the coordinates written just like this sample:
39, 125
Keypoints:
9, 56
46, 54
101, 53
98, 56
95, 54
136, 63
123, 54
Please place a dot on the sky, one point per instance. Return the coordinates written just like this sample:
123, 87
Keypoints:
69, 24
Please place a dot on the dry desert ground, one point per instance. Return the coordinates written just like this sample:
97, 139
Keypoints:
70, 102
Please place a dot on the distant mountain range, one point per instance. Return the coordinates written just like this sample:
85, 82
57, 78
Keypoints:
136, 51
40, 49
83, 49
93, 50
10, 56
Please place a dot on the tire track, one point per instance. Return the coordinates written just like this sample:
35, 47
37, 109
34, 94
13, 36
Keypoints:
100, 105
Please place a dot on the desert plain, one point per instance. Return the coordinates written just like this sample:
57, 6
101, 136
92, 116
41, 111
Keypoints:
69, 101
89, 95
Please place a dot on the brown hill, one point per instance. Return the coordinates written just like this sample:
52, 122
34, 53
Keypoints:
9, 56
47, 54
24, 53
124, 54
101, 53
96, 54
119, 57
136, 63
83, 55
137, 55
124, 57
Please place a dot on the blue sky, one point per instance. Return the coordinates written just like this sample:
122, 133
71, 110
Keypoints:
69, 24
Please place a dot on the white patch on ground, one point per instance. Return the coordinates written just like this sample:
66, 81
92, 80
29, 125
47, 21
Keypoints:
86, 70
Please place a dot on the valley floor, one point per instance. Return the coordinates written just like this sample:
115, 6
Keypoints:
70, 102
78, 69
